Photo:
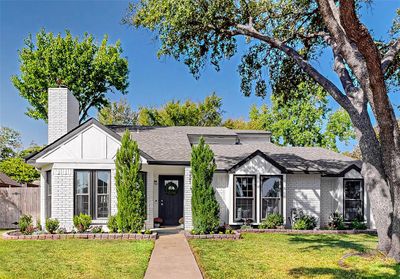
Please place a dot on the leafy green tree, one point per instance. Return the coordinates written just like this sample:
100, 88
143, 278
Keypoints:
205, 207
300, 119
130, 186
33, 148
287, 38
189, 113
89, 69
10, 141
117, 113
18, 170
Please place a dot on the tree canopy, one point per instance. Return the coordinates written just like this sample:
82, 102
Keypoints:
304, 119
189, 113
90, 70
117, 113
10, 142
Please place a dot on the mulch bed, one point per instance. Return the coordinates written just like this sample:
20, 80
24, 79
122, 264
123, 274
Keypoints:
13, 235
234, 236
290, 231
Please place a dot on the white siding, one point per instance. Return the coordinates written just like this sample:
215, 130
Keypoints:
220, 184
303, 192
257, 165
330, 198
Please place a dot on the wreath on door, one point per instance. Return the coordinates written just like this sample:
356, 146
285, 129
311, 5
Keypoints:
171, 188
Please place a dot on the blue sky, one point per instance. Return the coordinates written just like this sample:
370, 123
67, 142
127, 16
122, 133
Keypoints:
152, 81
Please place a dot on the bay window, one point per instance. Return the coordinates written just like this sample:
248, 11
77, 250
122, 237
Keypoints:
244, 197
353, 199
92, 193
270, 195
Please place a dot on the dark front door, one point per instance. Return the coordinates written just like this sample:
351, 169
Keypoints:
170, 199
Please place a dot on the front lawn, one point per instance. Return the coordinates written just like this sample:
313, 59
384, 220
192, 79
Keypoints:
292, 256
75, 258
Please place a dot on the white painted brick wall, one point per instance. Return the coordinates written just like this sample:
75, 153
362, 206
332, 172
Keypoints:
62, 203
63, 113
187, 202
303, 192
113, 193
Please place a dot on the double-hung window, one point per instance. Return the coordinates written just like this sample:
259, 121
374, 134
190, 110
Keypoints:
245, 187
48, 193
92, 193
353, 199
271, 195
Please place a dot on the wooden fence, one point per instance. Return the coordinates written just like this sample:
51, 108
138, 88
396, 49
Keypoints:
15, 201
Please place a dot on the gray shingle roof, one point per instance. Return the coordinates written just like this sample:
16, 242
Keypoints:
172, 144
6, 181
293, 159
169, 143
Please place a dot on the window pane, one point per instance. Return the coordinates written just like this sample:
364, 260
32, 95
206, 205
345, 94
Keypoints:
103, 178
82, 204
353, 209
82, 182
244, 186
270, 206
102, 206
271, 187
48, 182
244, 208
353, 190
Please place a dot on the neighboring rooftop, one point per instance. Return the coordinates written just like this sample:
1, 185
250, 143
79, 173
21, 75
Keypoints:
6, 181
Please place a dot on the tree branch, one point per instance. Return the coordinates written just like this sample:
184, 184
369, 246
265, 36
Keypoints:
335, 92
389, 56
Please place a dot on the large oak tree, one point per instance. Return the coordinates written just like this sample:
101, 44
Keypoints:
286, 38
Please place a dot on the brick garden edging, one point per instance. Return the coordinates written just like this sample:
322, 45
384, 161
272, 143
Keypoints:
234, 236
290, 231
96, 236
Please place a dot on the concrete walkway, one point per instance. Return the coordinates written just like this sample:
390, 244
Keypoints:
172, 258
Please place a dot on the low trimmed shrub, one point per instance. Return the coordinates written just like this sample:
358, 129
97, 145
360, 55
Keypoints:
52, 225
303, 221
96, 229
82, 222
358, 225
25, 224
112, 224
272, 221
62, 231
336, 221
245, 227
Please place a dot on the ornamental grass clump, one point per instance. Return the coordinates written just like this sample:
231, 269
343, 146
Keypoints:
130, 187
205, 207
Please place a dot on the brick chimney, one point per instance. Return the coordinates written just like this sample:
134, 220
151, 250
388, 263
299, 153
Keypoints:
63, 113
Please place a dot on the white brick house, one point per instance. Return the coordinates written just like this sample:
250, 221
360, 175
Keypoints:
253, 178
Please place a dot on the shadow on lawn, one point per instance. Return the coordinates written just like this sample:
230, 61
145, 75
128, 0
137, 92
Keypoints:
339, 273
317, 242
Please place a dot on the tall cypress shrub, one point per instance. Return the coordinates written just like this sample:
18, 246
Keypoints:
205, 208
130, 186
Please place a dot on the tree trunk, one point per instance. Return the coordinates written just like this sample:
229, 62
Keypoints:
374, 178
395, 247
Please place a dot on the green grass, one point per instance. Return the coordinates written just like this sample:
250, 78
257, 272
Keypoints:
292, 256
75, 258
